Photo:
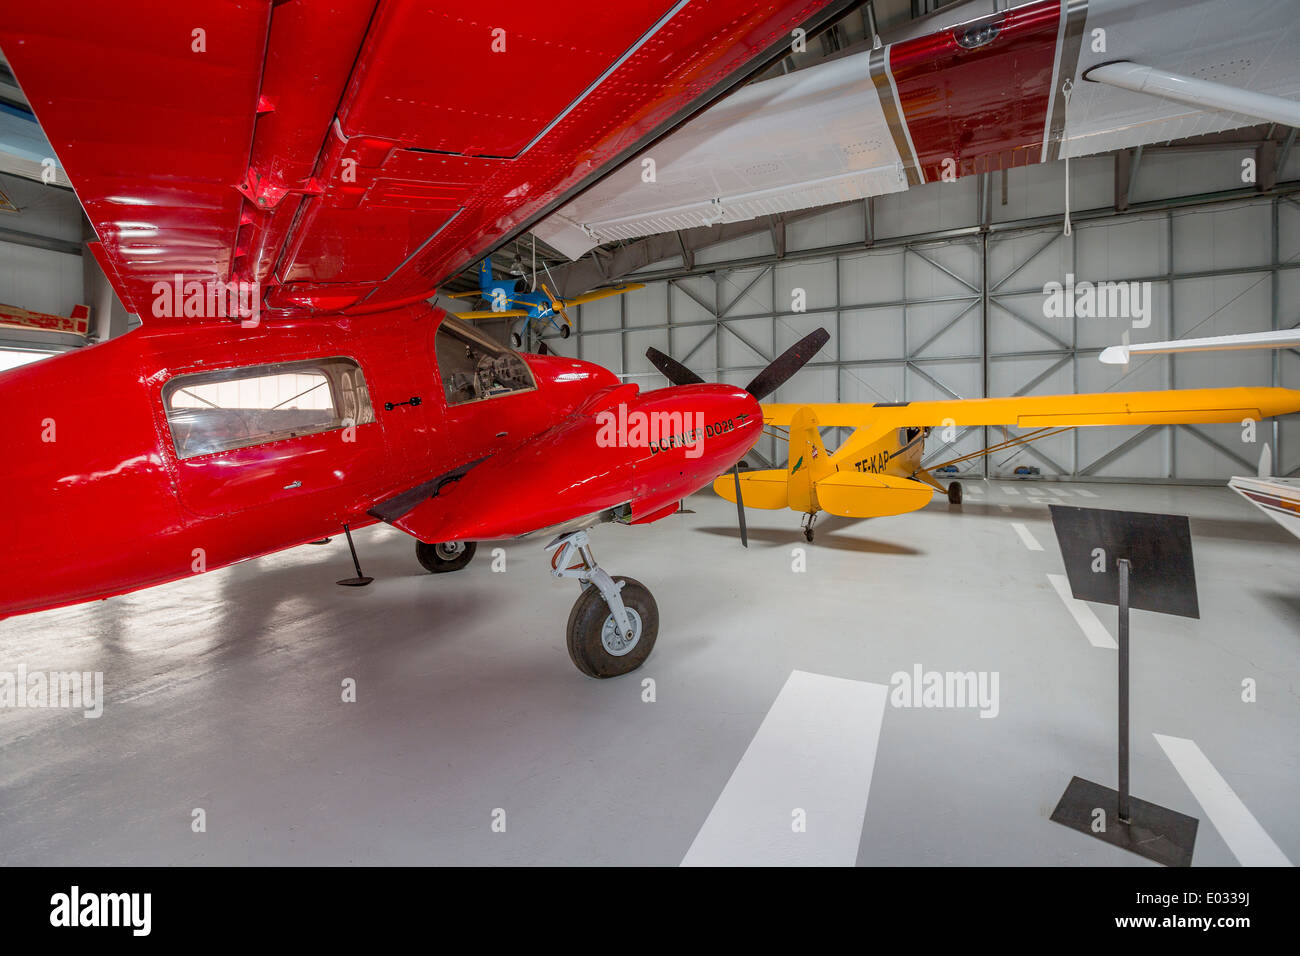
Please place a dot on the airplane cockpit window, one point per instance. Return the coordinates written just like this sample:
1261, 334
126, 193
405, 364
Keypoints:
217, 411
473, 367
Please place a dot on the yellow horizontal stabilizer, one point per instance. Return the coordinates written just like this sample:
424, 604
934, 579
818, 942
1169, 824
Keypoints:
855, 494
1183, 406
761, 489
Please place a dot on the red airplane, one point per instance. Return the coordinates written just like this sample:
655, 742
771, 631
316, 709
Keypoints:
277, 193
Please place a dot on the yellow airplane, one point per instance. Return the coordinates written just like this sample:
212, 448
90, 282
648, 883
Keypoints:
878, 472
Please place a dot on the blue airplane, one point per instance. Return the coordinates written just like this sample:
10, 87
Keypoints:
505, 301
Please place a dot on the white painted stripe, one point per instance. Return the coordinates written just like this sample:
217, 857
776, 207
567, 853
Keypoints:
1005, 507
1235, 823
1010, 490
815, 751
1030, 541
1083, 615
1059, 492
1084, 492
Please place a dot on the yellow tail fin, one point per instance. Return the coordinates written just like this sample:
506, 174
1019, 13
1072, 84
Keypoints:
809, 462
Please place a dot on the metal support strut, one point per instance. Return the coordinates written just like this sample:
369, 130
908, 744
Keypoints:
587, 572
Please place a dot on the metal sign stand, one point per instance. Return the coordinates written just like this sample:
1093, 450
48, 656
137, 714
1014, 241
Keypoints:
1115, 816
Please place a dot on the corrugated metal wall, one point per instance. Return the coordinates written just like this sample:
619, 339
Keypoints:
926, 314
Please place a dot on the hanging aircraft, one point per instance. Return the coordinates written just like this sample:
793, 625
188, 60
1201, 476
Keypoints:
966, 90
877, 472
507, 302
1280, 339
277, 191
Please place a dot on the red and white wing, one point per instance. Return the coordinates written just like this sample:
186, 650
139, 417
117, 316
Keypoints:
956, 93
356, 153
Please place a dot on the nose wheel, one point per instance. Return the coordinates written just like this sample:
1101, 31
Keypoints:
614, 623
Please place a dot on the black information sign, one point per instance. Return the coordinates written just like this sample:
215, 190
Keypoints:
1162, 577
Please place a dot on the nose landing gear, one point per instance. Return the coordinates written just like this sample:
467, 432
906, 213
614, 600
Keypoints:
614, 623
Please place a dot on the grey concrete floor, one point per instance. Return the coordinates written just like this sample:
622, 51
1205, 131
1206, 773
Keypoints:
224, 693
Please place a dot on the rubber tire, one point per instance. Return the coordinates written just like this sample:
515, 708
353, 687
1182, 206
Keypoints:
588, 617
954, 493
516, 340
565, 331
427, 555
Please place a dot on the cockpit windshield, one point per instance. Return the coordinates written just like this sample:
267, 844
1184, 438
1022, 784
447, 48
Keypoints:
473, 367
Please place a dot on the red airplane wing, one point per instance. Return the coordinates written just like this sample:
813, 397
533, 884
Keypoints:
354, 155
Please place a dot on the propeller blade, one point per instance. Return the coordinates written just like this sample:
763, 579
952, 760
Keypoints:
673, 370
786, 364
740, 507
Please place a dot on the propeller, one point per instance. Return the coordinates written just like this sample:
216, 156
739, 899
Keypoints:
556, 304
764, 384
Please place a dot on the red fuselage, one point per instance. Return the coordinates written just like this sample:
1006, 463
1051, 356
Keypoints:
102, 503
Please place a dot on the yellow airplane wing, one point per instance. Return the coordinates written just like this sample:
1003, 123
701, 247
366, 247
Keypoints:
603, 293
489, 314
1185, 406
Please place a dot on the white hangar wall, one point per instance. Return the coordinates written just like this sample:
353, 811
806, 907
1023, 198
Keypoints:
936, 308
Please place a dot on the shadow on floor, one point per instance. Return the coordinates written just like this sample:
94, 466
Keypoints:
794, 537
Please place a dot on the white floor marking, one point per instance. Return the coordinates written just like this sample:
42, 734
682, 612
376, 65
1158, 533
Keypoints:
1059, 492
815, 752
1235, 823
1084, 493
1005, 507
1030, 541
1011, 491
1082, 613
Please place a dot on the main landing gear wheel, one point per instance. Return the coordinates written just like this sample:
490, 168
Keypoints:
595, 645
565, 331
614, 623
954, 493
445, 555
516, 340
